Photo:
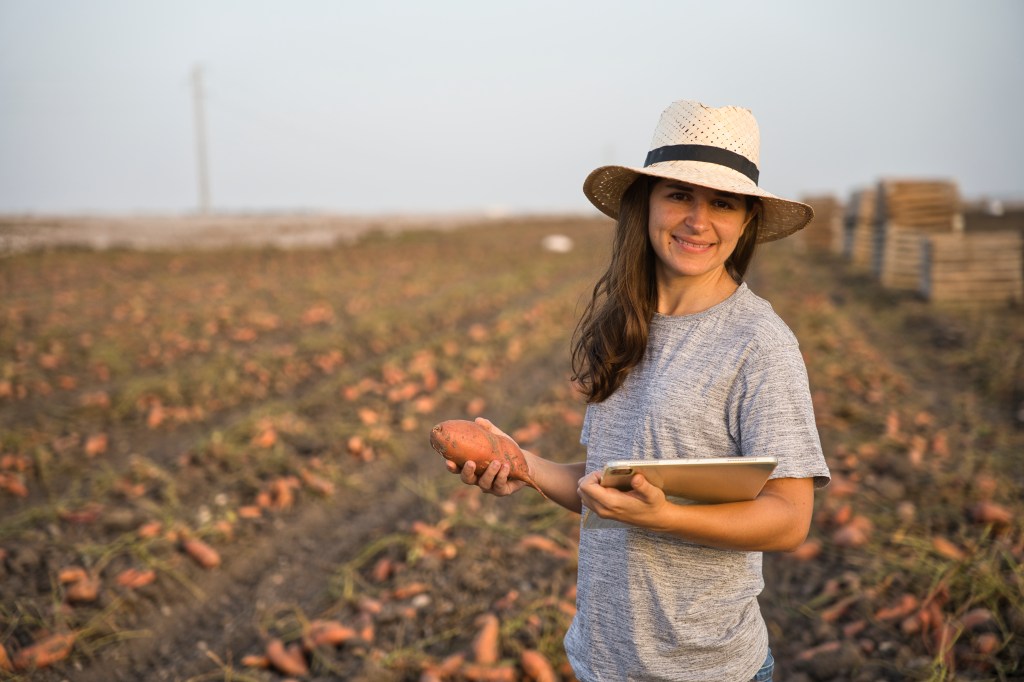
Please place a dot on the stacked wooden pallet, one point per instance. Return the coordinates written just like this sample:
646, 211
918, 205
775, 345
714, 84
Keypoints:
824, 232
970, 268
907, 211
928, 205
859, 228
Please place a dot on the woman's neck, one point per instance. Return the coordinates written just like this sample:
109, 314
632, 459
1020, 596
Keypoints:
686, 295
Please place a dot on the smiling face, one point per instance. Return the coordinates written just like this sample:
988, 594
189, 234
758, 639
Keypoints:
693, 231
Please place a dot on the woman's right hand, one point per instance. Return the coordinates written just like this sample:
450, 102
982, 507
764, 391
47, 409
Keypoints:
494, 478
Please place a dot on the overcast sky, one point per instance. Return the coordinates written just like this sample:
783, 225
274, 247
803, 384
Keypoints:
465, 105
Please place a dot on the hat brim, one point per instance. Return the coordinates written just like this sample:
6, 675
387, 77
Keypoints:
781, 217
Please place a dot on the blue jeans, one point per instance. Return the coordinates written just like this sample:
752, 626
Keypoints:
765, 673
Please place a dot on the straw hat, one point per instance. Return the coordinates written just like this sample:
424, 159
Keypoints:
708, 146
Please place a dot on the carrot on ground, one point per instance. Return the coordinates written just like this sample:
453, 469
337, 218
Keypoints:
45, 652
289, 661
204, 555
485, 643
327, 633
537, 667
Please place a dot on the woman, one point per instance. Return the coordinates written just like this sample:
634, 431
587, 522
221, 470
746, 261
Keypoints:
678, 358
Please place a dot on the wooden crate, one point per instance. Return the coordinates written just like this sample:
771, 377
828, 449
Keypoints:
917, 206
859, 229
925, 204
902, 258
974, 268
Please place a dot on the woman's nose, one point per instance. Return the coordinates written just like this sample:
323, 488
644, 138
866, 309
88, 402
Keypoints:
697, 218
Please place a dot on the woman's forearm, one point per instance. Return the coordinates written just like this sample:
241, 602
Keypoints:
777, 521
558, 481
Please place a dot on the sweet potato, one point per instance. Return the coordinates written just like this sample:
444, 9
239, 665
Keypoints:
289, 661
463, 441
45, 652
327, 633
486, 673
990, 512
486, 644
537, 667
202, 553
5, 660
134, 578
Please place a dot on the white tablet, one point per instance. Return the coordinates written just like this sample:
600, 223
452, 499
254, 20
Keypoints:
700, 480
705, 480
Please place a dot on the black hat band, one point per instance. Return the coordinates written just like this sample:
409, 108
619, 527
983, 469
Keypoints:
707, 154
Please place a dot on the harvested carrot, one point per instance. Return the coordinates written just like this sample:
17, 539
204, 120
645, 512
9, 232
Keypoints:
907, 605
71, 574
990, 512
289, 661
546, 545
382, 569
976, 618
410, 590
327, 633
5, 660
485, 643
96, 444
45, 652
537, 667
13, 484
370, 606
824, 648
485, 673
851, 630
83, 591
281, 492
250, 511
367, 631
317, 483
428, 532
462, 441
255, 661
150, 530
947, 549
204, 555
86, 514
134, 578
987, 643
837, 610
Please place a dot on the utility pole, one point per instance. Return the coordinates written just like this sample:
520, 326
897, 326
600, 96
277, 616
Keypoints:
200, 126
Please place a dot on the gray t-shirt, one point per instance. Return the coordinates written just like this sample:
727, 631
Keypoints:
725, 382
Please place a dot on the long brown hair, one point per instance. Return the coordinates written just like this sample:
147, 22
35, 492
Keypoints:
611, 336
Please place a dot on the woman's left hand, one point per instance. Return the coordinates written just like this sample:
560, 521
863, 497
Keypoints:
636, 506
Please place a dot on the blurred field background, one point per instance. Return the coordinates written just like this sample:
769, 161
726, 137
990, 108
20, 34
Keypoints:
214, 461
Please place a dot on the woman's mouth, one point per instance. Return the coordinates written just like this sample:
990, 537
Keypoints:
689, 245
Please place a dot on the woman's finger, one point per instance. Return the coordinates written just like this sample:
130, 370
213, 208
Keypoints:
487, 476
468, 473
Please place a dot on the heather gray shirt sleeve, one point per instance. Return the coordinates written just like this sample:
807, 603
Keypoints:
729, 381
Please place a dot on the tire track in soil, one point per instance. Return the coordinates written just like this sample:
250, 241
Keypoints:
292, 566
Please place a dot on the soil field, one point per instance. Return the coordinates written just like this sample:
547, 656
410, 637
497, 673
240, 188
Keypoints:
214, 465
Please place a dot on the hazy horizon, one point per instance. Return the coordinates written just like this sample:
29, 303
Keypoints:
458, 107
